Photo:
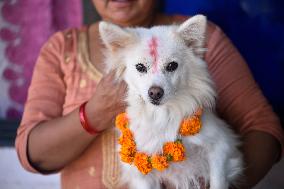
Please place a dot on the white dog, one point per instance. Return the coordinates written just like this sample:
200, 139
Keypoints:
167, 82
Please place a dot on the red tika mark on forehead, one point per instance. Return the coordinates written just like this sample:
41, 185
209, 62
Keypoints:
153, 52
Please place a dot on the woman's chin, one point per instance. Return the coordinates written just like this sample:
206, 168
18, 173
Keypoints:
122, 19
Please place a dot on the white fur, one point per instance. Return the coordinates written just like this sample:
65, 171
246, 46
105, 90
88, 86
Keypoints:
211, 154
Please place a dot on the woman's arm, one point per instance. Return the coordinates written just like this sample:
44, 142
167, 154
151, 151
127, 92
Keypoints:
46, 140
55, 143
241, 103
261, 151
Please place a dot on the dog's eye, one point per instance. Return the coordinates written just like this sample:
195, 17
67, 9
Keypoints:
141, 68
172, 66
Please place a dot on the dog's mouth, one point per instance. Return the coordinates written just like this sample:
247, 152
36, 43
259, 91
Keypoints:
155, 102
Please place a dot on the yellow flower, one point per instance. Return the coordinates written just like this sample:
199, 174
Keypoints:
126, 137
142, 162
127, 153
128, 146
174, 150
159, 162
190, 126
121, 121
126, 158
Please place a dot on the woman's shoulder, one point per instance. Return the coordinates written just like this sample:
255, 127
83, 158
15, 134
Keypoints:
66, 39
64, 43
72, 33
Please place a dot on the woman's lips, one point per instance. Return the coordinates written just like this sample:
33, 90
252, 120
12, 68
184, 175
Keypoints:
121, 3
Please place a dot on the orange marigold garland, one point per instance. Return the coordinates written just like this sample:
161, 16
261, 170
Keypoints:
121, 121
126, 138
190, 126
143, 163
127, 153
159, 162
172, 151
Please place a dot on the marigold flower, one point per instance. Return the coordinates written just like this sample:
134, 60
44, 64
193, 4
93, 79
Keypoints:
121, 121
159, 162
127, 153
126, 158
142, 162
175, 150
126, 137
190, 126
128, 148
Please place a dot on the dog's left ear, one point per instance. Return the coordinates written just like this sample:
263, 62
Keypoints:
193, 32
115, 37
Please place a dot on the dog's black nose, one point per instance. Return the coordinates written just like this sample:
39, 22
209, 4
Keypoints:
155, 93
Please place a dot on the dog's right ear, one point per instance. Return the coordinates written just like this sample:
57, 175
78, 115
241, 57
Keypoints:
115, 37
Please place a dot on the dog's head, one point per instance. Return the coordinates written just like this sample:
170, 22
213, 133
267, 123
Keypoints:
161, 65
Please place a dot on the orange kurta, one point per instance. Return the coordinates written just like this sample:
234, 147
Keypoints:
64, 78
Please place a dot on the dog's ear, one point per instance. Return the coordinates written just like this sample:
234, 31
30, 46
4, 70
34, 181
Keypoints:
115, 37
193, 32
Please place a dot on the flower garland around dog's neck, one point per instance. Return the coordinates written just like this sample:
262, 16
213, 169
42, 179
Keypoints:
172, 151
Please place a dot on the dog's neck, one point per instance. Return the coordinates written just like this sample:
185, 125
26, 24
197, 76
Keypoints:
153, 125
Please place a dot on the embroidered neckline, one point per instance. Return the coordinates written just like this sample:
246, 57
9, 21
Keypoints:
172, 151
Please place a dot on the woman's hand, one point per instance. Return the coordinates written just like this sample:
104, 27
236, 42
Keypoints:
261, 151
55, 143
107, 102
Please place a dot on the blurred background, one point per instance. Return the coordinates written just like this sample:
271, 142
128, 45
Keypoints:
256, 27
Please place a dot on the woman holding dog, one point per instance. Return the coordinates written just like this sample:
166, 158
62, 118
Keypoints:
69, 72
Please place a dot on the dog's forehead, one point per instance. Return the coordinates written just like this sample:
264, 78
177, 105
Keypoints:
159, 42
153, 51
156, 47
158, 37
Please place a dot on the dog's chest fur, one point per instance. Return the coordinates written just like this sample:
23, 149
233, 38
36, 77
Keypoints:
152, 129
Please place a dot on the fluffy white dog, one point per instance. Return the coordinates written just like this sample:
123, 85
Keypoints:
168, 81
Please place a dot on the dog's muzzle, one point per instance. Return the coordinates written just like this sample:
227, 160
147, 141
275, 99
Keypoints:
155, 94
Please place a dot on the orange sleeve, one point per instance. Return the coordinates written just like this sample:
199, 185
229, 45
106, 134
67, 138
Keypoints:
46, 94
240, 101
